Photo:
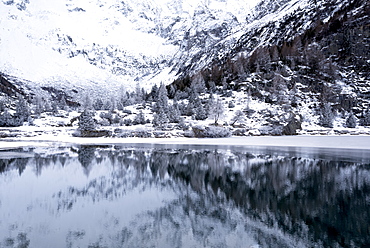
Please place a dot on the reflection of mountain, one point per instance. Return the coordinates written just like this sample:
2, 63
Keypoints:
259, 197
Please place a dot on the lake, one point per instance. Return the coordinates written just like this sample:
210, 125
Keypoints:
184, 196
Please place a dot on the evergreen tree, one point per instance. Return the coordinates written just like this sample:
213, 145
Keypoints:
195, 107
326, 116
113, 105
190, 108
139, 97
162, 100
107, 105
38, 105
98, 104
200, 112
87, 104
123, 100
6, 120
154, 93
22, 110
161, 108
139, 118
86, 121
351, 121
160, 119
174, 115
47, 106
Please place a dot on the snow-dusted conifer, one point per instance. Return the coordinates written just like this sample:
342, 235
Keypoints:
139, 118
87, 103
6, 120
154, 93
139, 97
98, 104
162, 101
200, 112
22, 110
86, 121
107, 105
160, 118
326, 116
351, 121
38, 105
174, 115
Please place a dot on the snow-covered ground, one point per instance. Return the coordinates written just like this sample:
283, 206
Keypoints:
314, 141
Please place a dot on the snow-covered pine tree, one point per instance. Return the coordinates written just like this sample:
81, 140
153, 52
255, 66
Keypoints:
98, 104
2, 105
351, 121
200, 112
87, 103
38, 105
139, 97
162, 101
154, 93
326, 116
22, 111
174, 115
6, 120
161, 107
86, 121
107, 105
160, 119
195, 107
139, 118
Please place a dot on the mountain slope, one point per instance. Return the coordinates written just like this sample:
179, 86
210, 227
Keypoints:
301, 56
82, 44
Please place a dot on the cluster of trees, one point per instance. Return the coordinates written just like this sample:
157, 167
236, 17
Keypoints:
189, 102
15, 118
164, 110
14, 112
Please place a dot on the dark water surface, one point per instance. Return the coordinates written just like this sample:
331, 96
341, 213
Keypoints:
184, 196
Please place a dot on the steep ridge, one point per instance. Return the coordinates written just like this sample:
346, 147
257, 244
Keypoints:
304, 53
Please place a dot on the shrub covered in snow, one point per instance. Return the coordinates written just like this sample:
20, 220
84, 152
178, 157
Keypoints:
210, 132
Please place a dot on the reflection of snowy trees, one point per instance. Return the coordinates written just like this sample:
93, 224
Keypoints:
275, 198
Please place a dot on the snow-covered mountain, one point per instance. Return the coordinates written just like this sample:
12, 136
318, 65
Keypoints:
84, 44
294, 56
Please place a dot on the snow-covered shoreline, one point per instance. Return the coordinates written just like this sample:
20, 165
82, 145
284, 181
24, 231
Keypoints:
309, 141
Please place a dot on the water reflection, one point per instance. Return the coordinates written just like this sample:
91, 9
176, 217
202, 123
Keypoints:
175, 196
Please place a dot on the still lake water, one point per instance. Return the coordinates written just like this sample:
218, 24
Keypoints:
184, 196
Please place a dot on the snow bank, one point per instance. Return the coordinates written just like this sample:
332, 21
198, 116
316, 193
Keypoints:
337, 142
